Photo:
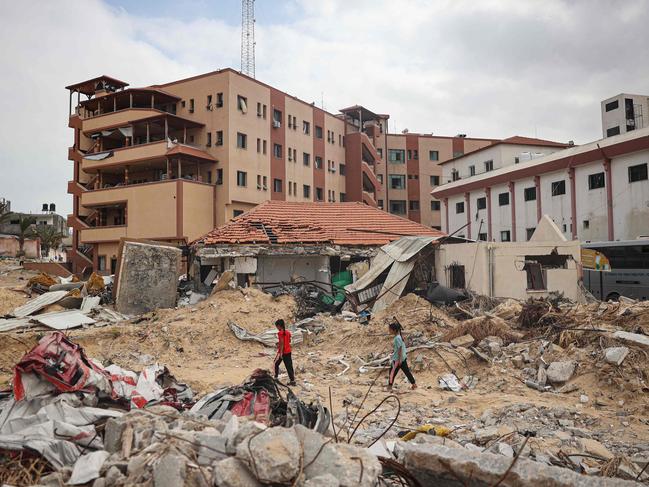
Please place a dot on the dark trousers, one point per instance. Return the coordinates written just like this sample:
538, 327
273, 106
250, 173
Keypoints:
406, 370
288, 363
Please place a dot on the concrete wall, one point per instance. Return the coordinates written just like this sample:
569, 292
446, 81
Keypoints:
285, 269
509, 278
9, 247
617, 117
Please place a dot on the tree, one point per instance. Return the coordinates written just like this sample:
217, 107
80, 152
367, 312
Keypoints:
25, 230
50, 237
4, 211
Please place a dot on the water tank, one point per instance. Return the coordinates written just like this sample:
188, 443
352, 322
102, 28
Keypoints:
52, 207
44, 207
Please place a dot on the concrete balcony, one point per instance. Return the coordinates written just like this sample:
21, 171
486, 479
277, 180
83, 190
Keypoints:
369, 176
117, 119
170, 209
368, 199
102, 234
75, 222
131, 154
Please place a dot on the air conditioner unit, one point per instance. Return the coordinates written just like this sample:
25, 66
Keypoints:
277, 124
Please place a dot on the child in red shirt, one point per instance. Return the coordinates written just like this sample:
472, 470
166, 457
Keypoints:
284, 351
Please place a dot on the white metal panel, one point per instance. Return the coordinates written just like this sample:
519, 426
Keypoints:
38, 303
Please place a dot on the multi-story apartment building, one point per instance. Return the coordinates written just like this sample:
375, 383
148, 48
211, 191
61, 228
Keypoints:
170, 162
624, 113
597, 191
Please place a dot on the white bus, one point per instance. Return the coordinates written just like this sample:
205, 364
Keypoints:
629, 274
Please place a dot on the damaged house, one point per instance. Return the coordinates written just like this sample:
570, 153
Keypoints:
544, 264
279, 243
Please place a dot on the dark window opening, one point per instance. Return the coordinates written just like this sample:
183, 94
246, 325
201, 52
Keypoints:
613, 131
482, 203
535, 276
503, 199
482, 236
530, 194
435, 205
596, 181
277, 185
219, 100
529, 232
558, 188
236, 213
637, 173
318, 132
456, 276
459, 207
613, 105
505, 236
413, 205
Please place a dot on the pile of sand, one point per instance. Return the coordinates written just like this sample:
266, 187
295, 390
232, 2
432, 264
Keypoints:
9, 300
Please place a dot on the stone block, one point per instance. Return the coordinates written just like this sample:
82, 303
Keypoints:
326, 480
232, 472
170, 471
560, 372
463, 341
113, 434
274, 455
148, 277
616, 355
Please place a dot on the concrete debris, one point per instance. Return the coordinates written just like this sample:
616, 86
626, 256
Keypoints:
616, 355
147, 277
632, 338
560, 372
463, 341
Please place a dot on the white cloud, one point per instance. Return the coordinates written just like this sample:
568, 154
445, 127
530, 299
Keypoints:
492, 68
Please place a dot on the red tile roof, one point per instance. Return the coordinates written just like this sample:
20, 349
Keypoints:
333, 223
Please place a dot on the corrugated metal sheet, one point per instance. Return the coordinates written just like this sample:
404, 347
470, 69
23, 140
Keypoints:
63, 320
38, 303
394, 285
8, 325
407, 247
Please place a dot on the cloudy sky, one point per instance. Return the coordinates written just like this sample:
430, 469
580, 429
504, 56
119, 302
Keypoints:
492, 68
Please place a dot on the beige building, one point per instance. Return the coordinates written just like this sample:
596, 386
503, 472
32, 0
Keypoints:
170, 162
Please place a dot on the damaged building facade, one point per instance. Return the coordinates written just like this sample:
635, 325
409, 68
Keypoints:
281, 243
205, 149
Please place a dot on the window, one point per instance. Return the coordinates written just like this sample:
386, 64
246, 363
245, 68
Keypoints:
396, 156
242, 178
306, 127
191, 105
101, 262
503, 199
413, 176
459, 207
456, 276
433, 155
505, 236
277, 118
415, 154
277, 151
637, 173
328, 135
558, 188
596, 180
342, 169
529, 194
586, 224
264, 111
380, 178
535, 281
398, 207
290, 154
265, 183
434, 180
397, 181
612, 105
529, 232
482, 203
413, 205
259, 109
343, 197
209, 102
516, 160
219, 100
182, 103
318, 132
379, 203
306, 158
242, 104
435, 205
258, 181
318, 194
488, 166
409, 154
263, 146
258, 145
236, 213
209, 139
379, 151
219, 176
209, 177
306, 190
482, 237
455, 174
277, 185
613, 131
219, 137
242, 140
318, 162
471, 170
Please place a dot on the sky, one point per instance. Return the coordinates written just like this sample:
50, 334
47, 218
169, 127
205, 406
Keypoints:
493, 68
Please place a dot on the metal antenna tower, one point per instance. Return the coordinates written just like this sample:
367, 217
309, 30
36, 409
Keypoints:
248, 37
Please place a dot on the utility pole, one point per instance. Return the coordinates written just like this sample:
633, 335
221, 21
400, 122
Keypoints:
248, 37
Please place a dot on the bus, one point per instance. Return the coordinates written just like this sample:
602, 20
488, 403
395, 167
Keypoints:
628, 274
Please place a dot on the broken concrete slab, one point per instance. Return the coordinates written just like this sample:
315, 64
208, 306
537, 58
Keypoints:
232, 472
223, 282
633, 338
463, 341
147, 277
441, 465
560, 372
273, 454
170, 471
616, 355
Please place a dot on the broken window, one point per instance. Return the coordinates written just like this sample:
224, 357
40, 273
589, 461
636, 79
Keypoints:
535, 278
558, 187
242, 104
456, 276
306, 127
596, 180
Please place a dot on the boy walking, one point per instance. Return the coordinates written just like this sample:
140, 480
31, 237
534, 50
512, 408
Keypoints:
284, 351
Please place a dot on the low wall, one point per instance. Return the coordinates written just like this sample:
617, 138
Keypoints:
51, 268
